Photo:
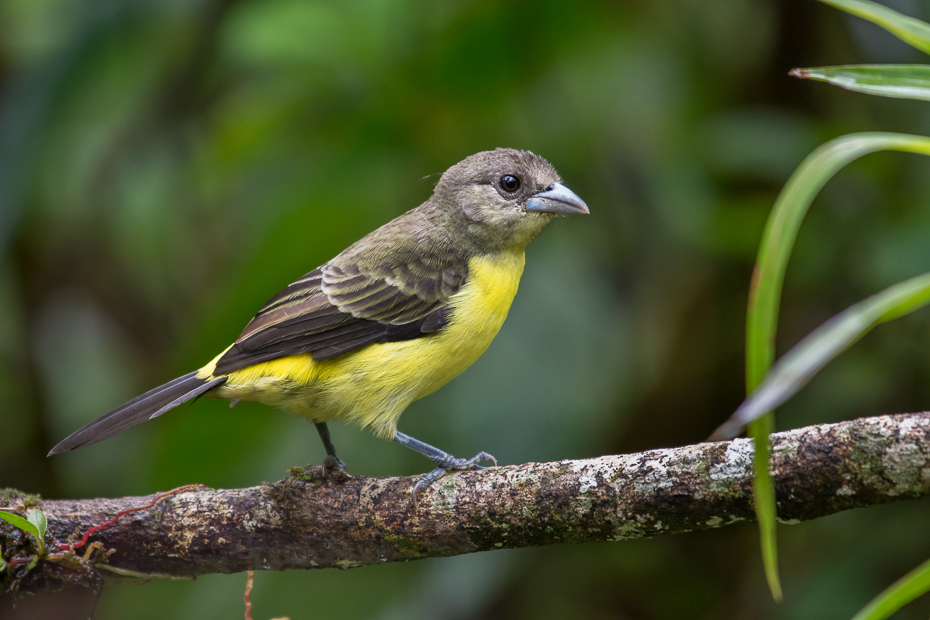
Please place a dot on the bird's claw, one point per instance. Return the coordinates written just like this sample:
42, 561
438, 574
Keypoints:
449, 465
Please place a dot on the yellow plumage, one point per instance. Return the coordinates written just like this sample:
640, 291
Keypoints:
372, 386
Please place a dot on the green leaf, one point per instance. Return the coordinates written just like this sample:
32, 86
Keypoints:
35, 525
37, 518
899, 81
763, 493
797, 367
19, 522
781, 230
910, 30
898, 594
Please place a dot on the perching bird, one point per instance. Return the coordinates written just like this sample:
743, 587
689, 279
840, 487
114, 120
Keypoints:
391, 319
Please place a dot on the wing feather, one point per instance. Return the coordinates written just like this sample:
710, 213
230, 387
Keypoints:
347, 304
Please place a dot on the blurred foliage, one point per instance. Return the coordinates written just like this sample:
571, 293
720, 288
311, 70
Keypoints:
166, 167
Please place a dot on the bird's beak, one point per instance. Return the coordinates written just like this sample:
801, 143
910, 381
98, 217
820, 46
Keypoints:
557, 199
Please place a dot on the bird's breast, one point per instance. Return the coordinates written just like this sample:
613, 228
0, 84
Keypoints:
373, 386
477, 313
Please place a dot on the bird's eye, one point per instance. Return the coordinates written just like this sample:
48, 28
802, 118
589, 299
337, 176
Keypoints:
509, 183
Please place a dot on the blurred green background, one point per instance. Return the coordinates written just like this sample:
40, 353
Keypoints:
166, 167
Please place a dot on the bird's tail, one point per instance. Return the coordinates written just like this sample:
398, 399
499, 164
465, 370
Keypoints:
140, 409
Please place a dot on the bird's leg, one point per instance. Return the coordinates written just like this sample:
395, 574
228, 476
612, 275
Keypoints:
444, 460
331, 461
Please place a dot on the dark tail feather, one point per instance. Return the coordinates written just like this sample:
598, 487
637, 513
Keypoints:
140, 409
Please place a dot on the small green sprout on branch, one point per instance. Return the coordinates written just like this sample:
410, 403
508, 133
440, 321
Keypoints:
35, 524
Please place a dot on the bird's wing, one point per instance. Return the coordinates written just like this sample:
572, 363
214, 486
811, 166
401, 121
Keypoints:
347, 304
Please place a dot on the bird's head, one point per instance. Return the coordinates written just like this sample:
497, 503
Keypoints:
504, 198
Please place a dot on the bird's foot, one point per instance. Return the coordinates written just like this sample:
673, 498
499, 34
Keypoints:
447, 465
332, 463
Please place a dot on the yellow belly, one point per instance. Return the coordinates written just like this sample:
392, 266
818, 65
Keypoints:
373, 385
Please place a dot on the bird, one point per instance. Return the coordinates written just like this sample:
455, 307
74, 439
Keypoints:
391, 319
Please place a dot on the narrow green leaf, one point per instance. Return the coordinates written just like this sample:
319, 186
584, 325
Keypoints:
37, 518
899, 81
782, 228
19, 522
898, 594
765, 294
797, 367
763, 494
910, 30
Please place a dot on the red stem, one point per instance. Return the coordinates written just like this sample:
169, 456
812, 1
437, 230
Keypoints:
97, 528
249, 580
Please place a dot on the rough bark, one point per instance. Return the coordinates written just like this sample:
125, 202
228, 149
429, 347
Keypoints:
306, 521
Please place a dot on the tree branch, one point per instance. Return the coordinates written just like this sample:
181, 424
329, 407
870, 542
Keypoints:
306, 521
